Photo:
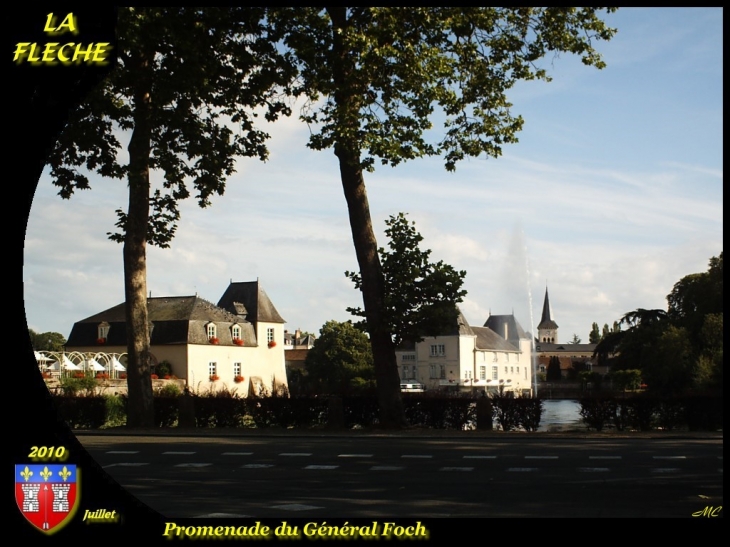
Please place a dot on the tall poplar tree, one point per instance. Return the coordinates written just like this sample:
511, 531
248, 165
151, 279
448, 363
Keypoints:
377, 77
185, 93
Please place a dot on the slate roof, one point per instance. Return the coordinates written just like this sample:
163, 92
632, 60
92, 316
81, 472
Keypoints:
175, 320
487, 339
257, 304
515, 333
546, 321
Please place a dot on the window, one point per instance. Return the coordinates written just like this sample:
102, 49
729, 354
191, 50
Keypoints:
482, 372
518, 369
525, 373
494, 356
212, 368
270, 335
511, 370
211, 330
438, 350
413, 372
236, 369
467, 374
408, 357
495, 372
542, 368
506, 357
236, 332
433, 371
506, 369
103, 330
404, 375
442, 372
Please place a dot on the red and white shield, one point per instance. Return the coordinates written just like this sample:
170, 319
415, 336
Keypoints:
47, 494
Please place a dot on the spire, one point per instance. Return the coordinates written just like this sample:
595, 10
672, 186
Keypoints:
547, 314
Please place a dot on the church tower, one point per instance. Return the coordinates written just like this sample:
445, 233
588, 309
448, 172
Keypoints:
547, 330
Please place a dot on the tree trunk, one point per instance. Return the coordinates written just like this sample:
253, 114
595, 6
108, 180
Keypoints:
140, 409
366, 247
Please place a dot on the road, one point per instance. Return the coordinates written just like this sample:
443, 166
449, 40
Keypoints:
416, 477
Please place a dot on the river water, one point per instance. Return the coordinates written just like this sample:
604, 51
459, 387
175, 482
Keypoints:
560, 415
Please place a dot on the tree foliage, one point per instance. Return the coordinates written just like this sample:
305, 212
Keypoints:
595, 335
341, 360
553, 370
47, 341
678, 348
186, 91
377, 78
420, 296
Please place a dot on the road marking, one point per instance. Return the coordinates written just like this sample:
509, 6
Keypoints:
593, 469
522, 469
122, 451
604, 457
386, 468
237, 454
295, 454
422, 456
355, 456
193, 464
456, 469
130, 464
665, 470
179, 453
257, 466
541, 457
322, 467
480, 457
296, 507
670, 457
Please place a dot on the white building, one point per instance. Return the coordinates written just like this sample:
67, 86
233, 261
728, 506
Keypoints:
497, 356
237, 344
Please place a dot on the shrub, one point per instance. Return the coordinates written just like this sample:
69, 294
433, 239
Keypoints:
597, 412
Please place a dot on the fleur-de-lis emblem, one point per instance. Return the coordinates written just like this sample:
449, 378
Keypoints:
46, 473
64, 473
26, 473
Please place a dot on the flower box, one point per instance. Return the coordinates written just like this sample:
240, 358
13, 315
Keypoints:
238, 379
79, 375
167, 376
102, 376
272, 344
154, 376
238, 341
123, 376
101, 341
46, 374
213, 377
213, 340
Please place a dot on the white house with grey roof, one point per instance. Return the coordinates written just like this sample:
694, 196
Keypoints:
238, 343
497, 356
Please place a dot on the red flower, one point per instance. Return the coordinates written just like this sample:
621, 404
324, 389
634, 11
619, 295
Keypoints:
102, 375
154, 376
238, 341
213, 340
101, 341
238, 379
213, 377
272, 344
123, 376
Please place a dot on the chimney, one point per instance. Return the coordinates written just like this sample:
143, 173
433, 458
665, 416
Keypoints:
506, 332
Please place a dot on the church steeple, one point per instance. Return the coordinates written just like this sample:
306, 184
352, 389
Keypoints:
547, 330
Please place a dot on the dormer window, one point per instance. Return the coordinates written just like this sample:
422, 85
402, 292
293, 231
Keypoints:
236, 332
211, 330
103, 331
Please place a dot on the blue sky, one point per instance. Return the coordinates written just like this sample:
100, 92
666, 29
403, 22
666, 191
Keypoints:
613, 193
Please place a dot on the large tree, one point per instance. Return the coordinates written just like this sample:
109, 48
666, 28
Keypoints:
184, 92
377, 78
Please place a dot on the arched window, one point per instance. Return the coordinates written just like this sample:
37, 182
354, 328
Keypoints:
236, 332
103, 330
211, 330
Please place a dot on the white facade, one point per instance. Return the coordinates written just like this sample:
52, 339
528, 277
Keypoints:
475, 358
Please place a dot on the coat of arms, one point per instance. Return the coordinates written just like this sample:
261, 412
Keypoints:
47, 494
